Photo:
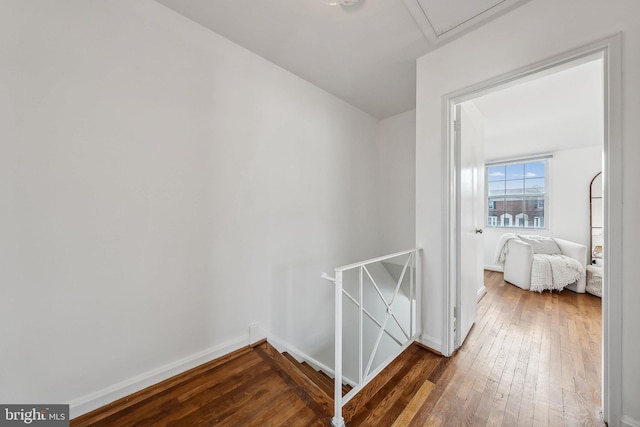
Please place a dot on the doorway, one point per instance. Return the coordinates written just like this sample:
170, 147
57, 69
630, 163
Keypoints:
602, 52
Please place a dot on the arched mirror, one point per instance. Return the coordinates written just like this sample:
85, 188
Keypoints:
596, 219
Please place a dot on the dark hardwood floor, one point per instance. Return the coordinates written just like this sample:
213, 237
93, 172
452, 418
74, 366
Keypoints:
253, 387
531, 359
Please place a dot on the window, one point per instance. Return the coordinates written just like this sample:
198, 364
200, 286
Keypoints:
516, 194
505, 220
522, 220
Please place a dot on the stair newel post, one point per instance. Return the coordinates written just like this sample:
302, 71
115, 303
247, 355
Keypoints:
337, 420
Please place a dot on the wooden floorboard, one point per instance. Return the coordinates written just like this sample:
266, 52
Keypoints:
305, 389
391, 399
531, 359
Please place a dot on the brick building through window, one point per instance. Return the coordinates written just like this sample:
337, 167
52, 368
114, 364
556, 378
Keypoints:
516, 194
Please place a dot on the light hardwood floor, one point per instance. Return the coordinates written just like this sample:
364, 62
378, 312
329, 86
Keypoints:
530, 359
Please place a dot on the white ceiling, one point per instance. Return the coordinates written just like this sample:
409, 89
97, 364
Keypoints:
444, 17
364, 54
559, 111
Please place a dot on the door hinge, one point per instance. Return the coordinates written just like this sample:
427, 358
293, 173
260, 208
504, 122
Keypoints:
455, 318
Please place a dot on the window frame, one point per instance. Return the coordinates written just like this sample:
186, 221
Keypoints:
538, 220
532, 219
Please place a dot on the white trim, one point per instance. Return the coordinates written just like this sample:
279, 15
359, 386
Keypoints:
610, 50
449, 219
494, 268
481, 292
612, 295
378, 259
99, 398
437, 37
629, 422
512, 160
431, 342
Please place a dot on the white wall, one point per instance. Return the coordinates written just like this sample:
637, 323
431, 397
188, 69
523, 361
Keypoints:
536, 31
396, 183
160, 189
570, 174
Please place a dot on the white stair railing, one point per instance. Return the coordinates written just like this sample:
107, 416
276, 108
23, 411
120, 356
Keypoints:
380, 293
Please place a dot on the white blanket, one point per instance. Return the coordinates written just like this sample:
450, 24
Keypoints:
547, 271
554, 272
502, 248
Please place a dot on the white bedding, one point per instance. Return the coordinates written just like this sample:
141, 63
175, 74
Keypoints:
548, 271
554, 272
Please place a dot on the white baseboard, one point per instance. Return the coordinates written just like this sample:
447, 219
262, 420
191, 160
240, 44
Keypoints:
432, 343
629, 422
102, 397
94, 400
481, 292
494, 268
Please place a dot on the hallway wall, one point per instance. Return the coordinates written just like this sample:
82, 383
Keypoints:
162, 189
531, 33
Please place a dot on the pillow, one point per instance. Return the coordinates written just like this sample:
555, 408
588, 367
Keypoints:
542, 245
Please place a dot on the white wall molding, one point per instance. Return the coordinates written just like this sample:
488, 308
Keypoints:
628, 422
92, 401
431, 342
481, 292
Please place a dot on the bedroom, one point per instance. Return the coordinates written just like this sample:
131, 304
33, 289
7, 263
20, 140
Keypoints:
540, 156
554, 126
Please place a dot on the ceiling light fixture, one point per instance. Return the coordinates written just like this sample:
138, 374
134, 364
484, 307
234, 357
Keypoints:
341, 2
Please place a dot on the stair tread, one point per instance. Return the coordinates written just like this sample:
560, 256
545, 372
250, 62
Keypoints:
346, 388
325, 385
321, 378
324, 374
306, 388
325, 382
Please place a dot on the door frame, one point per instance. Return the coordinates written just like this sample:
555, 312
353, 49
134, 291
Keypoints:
610, 50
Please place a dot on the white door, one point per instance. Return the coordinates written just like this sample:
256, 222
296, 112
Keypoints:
470, 217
